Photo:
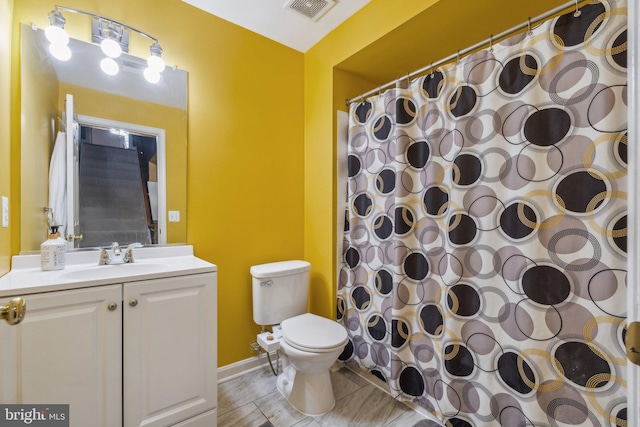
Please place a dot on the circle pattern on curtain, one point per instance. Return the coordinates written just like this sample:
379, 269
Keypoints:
484, 272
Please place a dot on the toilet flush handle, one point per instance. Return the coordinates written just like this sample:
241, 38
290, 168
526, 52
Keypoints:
267, 283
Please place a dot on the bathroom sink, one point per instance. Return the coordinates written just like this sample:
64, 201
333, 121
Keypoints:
82, 270
112, 270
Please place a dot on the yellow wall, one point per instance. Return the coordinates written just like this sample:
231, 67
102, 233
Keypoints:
245, 150
172, 120
6, 7
37, 133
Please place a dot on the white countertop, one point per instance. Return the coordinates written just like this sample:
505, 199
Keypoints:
82, 270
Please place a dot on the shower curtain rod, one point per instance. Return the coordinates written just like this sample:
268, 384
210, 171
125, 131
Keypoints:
487, 42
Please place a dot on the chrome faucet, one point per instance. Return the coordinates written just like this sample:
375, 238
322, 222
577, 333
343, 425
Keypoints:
105, 259
115, 247
128, 254
118, 258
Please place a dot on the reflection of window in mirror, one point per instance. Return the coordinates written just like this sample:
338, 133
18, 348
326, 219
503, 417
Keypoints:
118, 187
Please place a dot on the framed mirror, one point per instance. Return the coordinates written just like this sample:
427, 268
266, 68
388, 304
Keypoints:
126, 99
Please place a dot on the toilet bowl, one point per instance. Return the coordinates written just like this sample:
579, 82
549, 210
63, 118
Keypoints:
311, 345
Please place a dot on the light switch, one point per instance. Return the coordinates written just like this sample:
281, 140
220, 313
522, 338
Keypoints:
174, 216
5, 211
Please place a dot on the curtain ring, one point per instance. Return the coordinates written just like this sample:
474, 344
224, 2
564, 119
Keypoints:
578, 11
432, 69
491, 43
408, 77
458, 57
529, 32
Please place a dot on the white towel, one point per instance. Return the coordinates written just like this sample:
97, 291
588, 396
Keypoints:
58, 182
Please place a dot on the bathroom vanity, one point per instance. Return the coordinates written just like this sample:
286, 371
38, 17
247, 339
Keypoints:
124, 345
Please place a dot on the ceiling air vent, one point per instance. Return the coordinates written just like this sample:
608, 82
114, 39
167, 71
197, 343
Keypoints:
311, 9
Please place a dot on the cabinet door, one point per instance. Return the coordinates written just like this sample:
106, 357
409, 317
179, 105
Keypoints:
170, 364
67, 350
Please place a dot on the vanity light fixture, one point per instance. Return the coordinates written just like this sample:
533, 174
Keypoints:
113, 37
57, 36
155, 64
155, 61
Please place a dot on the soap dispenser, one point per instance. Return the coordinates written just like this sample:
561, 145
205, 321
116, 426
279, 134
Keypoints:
53, 250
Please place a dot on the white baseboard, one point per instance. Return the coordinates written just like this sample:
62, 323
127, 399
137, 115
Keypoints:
237, 369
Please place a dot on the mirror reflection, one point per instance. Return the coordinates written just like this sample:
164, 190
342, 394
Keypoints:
117, 173
109, 116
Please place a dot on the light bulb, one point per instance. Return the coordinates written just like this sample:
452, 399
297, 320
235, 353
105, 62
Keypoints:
56, 35
156, 63
55, 32
60, 51
151, 75
109, 66
111, 48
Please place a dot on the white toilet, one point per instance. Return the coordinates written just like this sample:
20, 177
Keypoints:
310, 343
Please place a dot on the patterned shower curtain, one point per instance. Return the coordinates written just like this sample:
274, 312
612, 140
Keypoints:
485, 235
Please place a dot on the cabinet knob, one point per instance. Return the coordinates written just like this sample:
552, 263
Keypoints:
112, 306
133, 302
14, 312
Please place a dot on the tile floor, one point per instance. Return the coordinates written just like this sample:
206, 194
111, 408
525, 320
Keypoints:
252, 400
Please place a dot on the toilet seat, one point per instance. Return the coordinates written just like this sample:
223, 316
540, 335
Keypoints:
312, 333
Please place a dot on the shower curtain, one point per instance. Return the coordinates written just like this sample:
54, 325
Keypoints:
484, 259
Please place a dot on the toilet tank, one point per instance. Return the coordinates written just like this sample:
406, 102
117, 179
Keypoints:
280, 291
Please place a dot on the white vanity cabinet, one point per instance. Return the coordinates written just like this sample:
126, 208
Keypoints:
169, 344
68, 349
134, 353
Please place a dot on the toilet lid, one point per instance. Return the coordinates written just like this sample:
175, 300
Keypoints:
308, 331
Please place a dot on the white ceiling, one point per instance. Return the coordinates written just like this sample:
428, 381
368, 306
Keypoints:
272, 19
